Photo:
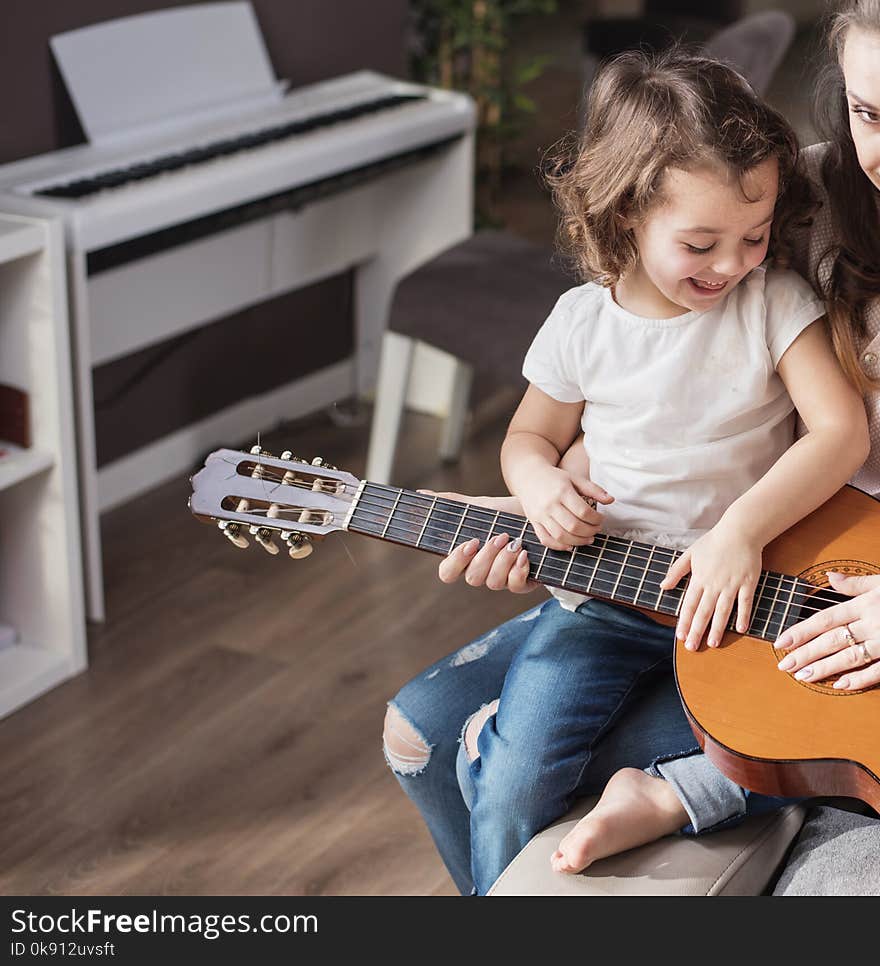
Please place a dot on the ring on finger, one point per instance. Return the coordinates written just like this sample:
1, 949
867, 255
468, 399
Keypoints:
861, 649
848, 636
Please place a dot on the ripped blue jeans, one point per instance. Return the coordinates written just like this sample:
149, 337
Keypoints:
579, 700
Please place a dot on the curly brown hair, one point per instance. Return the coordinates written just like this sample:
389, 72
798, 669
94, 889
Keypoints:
649, 112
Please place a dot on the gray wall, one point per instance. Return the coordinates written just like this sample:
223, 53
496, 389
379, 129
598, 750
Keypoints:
142, 397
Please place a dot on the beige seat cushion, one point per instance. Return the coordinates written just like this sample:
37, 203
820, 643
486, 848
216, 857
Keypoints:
734, 862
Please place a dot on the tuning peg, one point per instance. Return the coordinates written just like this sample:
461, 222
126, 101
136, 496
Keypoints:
263, 536
317, 461
299, 545
233, 532
287, 455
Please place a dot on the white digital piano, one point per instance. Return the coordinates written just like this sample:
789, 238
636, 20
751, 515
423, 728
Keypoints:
206, 187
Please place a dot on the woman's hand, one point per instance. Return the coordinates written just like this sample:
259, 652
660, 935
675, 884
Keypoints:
500, 564
844, 639
724, 568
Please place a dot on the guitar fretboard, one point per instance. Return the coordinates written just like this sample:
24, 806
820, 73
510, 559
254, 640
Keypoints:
612, 568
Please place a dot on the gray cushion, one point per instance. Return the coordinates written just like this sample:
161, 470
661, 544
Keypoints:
737, 861
483, 301
836, 854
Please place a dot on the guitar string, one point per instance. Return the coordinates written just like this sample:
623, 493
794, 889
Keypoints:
421, 501
763, 609
636, 554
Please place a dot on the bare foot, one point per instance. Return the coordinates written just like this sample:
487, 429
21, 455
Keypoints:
634, 809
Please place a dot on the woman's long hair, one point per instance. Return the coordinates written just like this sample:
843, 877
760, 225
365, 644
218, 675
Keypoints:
854, 258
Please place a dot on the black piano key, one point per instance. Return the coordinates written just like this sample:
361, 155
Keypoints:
83, 187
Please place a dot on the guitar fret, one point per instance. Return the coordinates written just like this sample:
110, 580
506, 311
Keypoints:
568, 568
681, 598
620, 574
659, 604
598, 561
541, 564
772, 605
644, 574
757, 600
492, 527
788, 605
391, 512
458, 528
427, 518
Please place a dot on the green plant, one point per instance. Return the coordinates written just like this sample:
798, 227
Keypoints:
464, 44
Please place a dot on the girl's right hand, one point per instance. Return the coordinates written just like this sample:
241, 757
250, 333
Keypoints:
493, 565
561, 507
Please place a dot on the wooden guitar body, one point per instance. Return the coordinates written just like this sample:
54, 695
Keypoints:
761, 727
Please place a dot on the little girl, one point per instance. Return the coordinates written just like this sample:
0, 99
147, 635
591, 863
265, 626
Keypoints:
683, 363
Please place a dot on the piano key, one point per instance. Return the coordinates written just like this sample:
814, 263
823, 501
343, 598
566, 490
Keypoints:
119, 176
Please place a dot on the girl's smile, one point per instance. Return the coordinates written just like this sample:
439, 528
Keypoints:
704, 288
706, 232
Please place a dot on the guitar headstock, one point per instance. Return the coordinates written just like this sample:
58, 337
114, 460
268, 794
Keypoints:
263, 496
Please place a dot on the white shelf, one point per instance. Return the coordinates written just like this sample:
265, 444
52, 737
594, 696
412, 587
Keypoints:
19, 237
41, 584
22, 466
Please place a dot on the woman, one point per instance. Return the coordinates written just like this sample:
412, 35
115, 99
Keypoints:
841, 255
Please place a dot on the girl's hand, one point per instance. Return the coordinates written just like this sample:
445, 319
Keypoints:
724, 568
494, 565
820, 646
562, 507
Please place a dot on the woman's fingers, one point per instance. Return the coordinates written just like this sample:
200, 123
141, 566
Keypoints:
819, 623
491, 565
866, 677
829, 653
478, 569
510, 570
855, 584
454, 564
851, 661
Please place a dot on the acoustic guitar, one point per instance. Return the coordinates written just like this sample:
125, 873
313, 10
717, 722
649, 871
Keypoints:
760, 726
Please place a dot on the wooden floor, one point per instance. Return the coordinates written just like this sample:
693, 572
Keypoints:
226, 738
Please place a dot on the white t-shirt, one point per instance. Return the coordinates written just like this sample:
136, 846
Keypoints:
681, 415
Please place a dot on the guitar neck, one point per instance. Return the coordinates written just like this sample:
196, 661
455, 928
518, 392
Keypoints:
613, 568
